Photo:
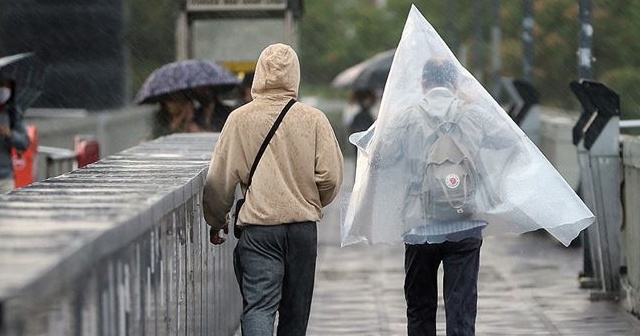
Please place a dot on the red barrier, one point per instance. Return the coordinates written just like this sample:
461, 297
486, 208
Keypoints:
24, 162
87, 149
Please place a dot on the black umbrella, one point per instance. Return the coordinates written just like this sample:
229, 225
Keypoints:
371, 73
183, 76
27, 72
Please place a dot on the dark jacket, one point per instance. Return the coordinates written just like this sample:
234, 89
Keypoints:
18, 140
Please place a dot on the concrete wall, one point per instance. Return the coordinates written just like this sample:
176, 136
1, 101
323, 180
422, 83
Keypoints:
115, 130
117, 248
630, 231
556, 143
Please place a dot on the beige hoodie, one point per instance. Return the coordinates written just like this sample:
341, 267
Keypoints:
301, 170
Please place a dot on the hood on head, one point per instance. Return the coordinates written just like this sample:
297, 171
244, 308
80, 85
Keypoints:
277, 72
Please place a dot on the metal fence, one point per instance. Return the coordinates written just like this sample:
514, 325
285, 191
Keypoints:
58, 160
236, 4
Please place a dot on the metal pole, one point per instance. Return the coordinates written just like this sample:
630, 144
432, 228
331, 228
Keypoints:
527, 40
477, 39
496, 42
182, 33
584, 71
451, 25
585, 39
289, 28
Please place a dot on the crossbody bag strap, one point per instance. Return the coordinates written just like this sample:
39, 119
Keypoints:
266, 141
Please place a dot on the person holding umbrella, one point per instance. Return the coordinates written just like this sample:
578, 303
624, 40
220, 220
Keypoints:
174, 115
188, 94
13, 133
366, 81
245, 88
364, 116
21, 80
211, 113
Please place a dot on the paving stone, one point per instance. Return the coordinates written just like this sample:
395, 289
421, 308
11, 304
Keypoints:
528, 285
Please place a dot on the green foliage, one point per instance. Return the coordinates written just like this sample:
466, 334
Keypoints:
555, 43
334, 35
625, 81
151, 37
337, 34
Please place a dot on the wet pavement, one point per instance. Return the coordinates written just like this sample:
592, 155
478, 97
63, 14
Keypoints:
528, 286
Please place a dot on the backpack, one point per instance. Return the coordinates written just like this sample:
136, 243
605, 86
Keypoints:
450, 177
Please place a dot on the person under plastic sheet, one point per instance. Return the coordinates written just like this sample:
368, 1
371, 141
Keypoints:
454, 242
434, 114
441, 103
516, 189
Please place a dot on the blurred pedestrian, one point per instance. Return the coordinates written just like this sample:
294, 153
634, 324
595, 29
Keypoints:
13, 133
175, 115
364, 118
212, 112
299, 174
360, 112
195, 85
245, 88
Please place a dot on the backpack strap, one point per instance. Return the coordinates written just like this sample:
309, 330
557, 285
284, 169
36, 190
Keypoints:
434, 121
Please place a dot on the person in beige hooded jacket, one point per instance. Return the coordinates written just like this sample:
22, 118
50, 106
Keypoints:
299, 174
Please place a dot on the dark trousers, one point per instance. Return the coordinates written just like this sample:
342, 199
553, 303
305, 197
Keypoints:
275, 268
461, 262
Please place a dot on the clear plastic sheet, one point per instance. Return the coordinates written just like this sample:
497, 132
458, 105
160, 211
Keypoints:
518, 189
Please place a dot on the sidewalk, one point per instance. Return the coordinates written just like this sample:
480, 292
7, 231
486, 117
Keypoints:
528, 286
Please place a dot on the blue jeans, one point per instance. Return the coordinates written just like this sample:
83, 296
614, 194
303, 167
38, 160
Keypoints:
275, 268
461, 262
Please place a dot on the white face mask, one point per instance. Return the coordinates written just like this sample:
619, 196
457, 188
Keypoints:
5, 94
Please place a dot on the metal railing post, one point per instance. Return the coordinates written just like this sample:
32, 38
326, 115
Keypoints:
597, 135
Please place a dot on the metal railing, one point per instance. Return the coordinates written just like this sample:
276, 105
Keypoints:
233, 5
58, 161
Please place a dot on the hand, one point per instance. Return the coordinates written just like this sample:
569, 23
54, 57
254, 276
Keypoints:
214, 235
192, 127
5, 131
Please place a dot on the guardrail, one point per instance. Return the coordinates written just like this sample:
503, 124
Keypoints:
58, 160
222, 5
630, 229
118, 247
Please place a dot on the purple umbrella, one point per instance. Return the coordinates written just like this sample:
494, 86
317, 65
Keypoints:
184, 75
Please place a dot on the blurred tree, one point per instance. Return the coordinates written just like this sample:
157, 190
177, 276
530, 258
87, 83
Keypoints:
151, 37
338, 34
556, 34
556, 40
616, 50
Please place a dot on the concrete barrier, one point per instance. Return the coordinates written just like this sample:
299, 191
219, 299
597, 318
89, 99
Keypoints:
115, 130
630, 230
557, 146
117, 248
556, 143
